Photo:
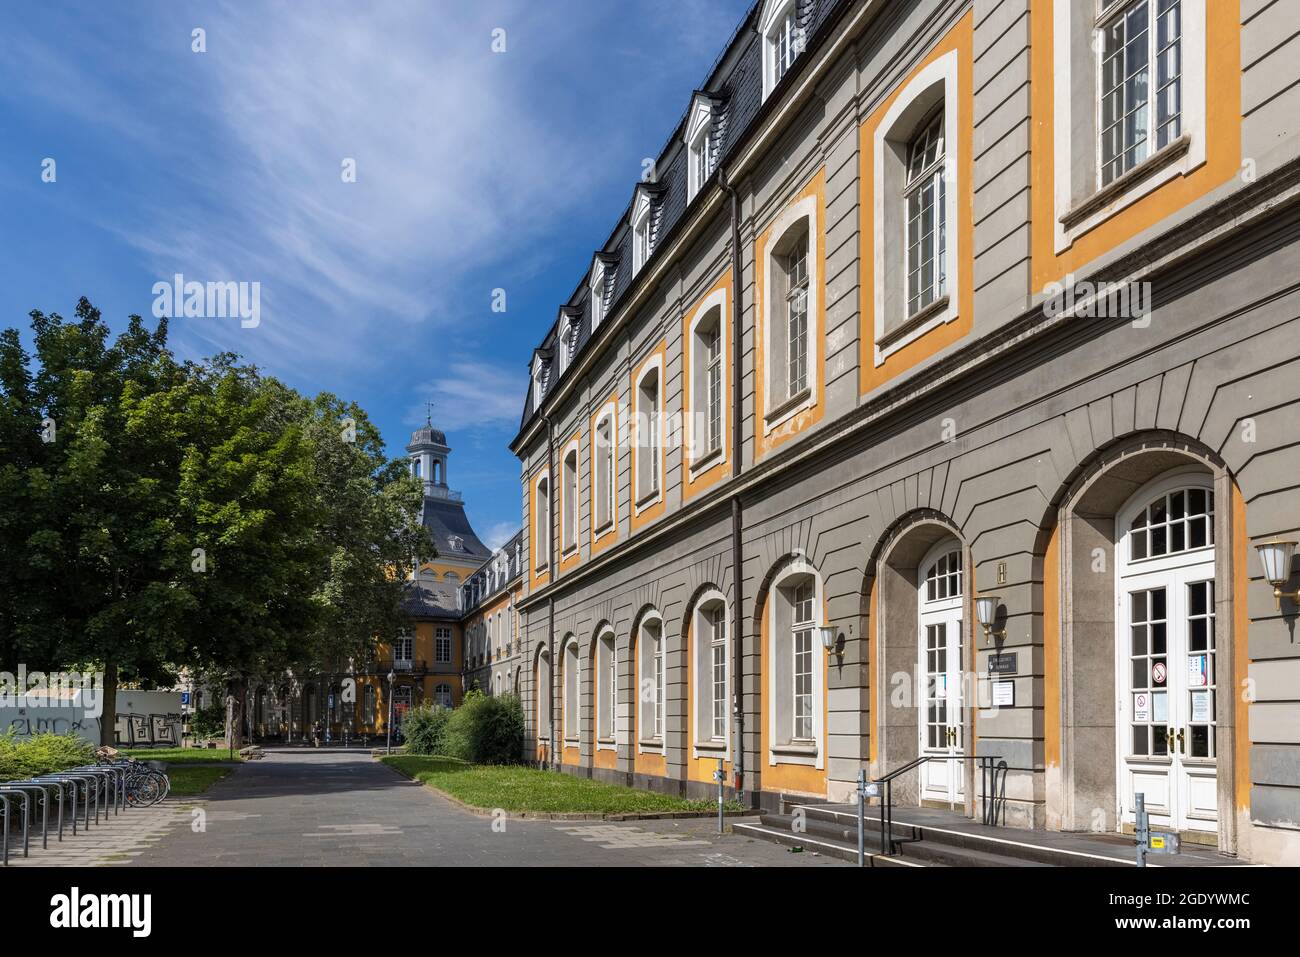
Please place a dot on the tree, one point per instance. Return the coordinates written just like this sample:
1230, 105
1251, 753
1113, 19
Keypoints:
197, 514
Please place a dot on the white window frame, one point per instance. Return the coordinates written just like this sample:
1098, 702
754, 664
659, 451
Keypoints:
653, 444
601, 524
442, 696
441, 641
641, 222
570, 507
1067, 54
539, 382
605, 690
779, 21
651, 666
699, 455
571, 697
698, 140
795, 215
596, 289
542, 537
943, 70
810, 753
701, 689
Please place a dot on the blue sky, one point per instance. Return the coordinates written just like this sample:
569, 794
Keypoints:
475, 170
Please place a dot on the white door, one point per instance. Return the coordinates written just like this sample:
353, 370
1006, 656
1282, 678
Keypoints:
1166, 671
939, 665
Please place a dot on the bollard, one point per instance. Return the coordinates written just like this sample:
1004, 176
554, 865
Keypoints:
718, 776
862, 815
1142, 834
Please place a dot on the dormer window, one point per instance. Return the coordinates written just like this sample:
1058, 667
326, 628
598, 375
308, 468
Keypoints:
700, 144
568, 338
642, 235
539, 379
783, 40
596, 287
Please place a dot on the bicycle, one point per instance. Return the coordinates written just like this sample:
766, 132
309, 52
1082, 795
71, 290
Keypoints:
145, 786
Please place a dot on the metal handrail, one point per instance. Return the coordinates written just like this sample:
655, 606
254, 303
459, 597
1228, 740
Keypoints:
992, 803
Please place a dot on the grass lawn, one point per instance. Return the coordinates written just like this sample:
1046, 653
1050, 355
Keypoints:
523, 789
175, 756
191, 779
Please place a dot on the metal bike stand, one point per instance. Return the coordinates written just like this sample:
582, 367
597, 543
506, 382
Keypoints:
103, 781
82, 783
60, 784
40, 798
6, 789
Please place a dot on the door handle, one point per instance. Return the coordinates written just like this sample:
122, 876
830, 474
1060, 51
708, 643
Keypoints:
1181, 749
1169, 740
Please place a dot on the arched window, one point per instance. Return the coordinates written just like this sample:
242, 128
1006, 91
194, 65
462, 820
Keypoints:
940, 655
651, 674
707, 382
711, 670
923, 196
606, 691
796, 675
571, 720
569, 501
451, 578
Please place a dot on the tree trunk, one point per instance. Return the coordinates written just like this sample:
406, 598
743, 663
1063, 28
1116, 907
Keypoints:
108, 714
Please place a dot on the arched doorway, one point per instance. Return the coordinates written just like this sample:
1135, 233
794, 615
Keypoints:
1148, 583
1165, 652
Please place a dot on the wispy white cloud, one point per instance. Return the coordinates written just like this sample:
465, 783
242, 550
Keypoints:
499, 533
471, 394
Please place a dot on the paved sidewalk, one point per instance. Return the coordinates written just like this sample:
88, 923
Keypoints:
116, 839
330, 809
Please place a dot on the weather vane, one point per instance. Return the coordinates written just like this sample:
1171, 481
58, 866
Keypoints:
428, 416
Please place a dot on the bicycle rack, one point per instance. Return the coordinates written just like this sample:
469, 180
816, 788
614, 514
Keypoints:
40, 798
60, 784
5, 790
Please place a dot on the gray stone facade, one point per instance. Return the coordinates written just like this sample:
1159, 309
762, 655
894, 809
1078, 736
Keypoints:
1021, 436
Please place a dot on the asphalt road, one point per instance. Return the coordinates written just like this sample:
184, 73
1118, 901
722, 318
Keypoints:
326, 809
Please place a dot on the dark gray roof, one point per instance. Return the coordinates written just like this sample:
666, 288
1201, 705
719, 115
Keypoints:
431, 598
428, 435
446, 520
736, 82
503, 569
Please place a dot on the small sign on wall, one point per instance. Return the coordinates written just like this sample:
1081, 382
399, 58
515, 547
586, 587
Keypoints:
1004, 694
1142, 707
1004, 664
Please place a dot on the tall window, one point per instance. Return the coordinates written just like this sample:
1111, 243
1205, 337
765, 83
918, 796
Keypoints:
368, 706
648, 435
606, 661
1141, 107
604, 478
570, 501
649, 705
543, 524
926, 235
570, 717
442, 696
659, 676
783, 41
713, 388
442, 645
717, 619
796, 304
701, 158
802, 630
402, 648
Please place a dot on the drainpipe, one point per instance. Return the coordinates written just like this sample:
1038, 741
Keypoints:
737, 446
550, 571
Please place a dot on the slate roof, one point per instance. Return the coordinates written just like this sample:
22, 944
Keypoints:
446, 519
490, 579
736, 80
432, 598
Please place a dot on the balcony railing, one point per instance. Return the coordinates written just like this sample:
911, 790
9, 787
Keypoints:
400, 666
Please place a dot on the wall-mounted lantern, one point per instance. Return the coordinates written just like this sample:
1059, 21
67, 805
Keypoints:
986, 612
1276, 556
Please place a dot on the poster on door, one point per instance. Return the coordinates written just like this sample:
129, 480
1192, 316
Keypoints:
1197, 672
1141, 707
1201, 710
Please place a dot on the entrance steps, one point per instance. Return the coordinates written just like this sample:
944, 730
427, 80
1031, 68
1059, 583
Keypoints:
936, 838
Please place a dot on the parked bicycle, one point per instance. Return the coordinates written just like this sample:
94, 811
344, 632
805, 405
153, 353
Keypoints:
144, 785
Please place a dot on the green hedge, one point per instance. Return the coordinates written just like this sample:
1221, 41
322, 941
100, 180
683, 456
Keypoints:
41, 754
482, 730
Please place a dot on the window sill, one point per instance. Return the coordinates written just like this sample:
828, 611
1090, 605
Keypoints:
796, 748
914, 322
707, 461
1153, 164
711, 745
656, 743
787, 406
569, 551
648, 499
603, 530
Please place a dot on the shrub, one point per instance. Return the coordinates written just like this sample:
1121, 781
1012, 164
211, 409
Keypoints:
486, 730
41, 754
425, 728
208, 722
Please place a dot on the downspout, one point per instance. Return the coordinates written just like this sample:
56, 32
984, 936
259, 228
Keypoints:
737, 447
550, 571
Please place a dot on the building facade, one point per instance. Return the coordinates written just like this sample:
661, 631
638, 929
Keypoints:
931, 398
490, 597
